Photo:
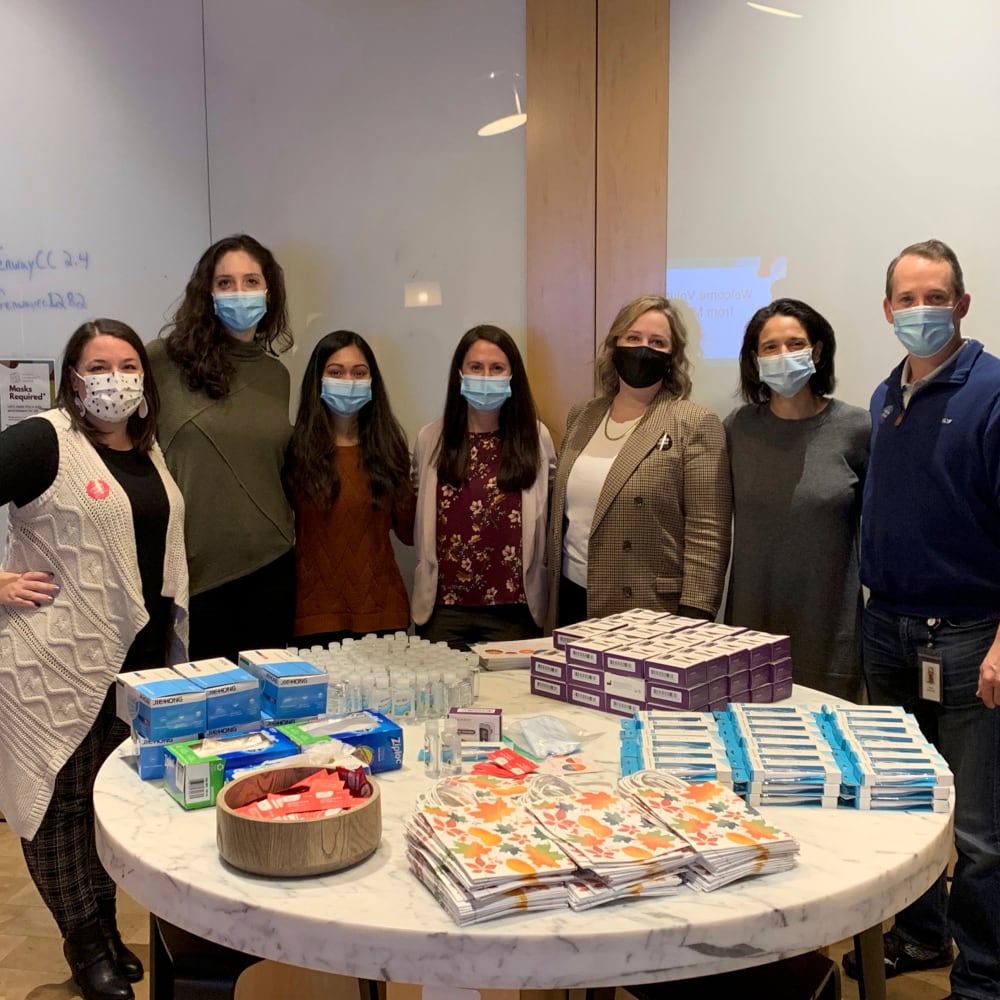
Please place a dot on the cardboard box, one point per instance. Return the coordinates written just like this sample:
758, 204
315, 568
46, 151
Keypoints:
479, 725
545, 688
551, 666
232, 695
159, 704
292, 689
587, 697
195, 771
149, 754
377, 741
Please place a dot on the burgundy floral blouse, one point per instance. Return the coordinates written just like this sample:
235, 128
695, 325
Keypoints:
479, 534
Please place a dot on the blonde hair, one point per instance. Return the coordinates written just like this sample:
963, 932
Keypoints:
678, 381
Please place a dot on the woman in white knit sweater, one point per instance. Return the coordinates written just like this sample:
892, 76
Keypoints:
94, 581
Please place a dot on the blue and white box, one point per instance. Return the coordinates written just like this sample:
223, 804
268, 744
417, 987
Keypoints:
159, 704
232, 695
294, 689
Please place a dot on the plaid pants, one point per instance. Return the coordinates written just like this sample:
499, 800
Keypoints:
62, 859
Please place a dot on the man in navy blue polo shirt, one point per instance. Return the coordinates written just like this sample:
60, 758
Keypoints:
931, 559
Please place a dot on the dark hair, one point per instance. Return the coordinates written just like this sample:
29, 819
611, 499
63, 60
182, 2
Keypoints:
678, 380
519, 448
141, 430
197, 340
817, 329
311, 470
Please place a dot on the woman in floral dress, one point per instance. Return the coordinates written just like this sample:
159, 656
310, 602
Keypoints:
483, 474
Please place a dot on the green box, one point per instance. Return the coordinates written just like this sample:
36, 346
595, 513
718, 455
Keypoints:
192, 780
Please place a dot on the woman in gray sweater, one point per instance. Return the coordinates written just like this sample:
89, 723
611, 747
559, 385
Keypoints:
798, 460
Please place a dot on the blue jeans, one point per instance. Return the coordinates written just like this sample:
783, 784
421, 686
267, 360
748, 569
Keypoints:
968, 735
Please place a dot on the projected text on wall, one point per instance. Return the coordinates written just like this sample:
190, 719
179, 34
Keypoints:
723, 293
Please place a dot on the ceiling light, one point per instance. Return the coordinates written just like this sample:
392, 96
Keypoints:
773, 10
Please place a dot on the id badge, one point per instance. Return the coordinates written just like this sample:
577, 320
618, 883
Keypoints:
930, 674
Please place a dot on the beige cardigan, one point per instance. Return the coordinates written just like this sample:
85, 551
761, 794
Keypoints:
534, 510
57, 662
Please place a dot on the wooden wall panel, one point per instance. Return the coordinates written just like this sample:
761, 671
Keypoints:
561, 88
631, 206
598, 76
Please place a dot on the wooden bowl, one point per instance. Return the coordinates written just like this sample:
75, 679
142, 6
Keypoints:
294, 847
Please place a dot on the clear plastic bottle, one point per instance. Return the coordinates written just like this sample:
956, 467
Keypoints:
451, 748
432, 748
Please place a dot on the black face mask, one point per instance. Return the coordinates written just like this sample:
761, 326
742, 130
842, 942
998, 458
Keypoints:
641, 367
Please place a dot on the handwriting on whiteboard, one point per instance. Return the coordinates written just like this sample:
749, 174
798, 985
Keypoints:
40, 265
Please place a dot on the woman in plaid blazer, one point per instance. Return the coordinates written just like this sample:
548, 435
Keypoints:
642, 502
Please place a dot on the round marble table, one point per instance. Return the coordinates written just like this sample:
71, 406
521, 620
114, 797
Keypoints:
377, 922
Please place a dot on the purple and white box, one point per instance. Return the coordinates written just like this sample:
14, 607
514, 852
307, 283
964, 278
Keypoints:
688, 699
587, 697
550, 665
679, 670
548, 689
585, 677
781, 670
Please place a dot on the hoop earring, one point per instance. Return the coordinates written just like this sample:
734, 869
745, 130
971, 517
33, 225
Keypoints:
81, 409
143, 409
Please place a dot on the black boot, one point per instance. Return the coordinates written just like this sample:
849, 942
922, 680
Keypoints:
128, 962
93, 968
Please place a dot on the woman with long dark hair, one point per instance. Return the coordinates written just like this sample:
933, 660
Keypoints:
93, 583
799, 459
483, 474
349, 474
224, 430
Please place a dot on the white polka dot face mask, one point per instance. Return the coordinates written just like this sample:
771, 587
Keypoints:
112, 396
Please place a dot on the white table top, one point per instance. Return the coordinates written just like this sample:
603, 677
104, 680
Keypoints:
376, 921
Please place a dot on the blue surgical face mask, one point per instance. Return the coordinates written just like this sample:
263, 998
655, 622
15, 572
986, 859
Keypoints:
240, 311
786, 374
345, 396
486, 392
924, 330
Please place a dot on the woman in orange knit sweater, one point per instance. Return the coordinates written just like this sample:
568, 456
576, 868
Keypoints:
348, 472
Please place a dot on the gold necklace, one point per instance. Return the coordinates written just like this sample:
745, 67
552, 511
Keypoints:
628, 430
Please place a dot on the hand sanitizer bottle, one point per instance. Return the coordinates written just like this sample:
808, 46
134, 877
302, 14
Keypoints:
432, 748
451, 748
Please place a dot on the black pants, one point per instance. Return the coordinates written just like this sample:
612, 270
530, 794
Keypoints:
572, 603
253, 612
462, 627
62, 858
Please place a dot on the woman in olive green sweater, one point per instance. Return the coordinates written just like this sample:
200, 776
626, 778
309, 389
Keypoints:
224, 428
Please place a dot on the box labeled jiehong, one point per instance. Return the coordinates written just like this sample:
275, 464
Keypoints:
159, 704
232, 695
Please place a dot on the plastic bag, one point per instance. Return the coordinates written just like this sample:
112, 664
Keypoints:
547, 735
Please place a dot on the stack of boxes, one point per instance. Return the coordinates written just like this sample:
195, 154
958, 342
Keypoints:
643, 659
215, 699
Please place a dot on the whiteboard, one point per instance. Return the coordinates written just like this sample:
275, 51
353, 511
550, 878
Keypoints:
103, 166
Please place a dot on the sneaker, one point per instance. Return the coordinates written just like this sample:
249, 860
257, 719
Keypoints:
903, 956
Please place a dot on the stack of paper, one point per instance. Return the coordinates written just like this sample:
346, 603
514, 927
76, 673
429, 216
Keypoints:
620, 851
732, 840
484, 856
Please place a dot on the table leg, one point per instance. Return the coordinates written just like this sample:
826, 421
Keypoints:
869, 953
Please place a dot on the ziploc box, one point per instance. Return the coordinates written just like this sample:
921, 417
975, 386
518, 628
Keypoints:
159, 704
195, 771
232, 696
377, 741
